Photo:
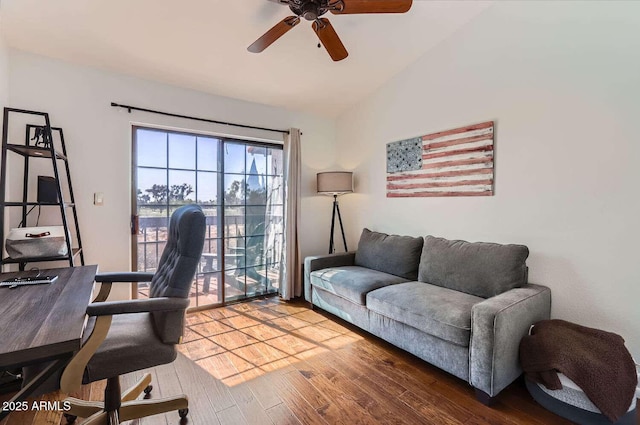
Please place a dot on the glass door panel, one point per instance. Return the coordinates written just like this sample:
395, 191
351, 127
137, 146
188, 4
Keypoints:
172, 169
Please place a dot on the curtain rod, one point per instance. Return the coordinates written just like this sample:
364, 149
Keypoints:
169, 114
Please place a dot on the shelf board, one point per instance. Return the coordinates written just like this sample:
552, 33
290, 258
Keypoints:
24, 111
8, 260
34, 152
47, 204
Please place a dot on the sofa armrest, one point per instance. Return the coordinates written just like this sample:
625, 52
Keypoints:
497, 326
319, 262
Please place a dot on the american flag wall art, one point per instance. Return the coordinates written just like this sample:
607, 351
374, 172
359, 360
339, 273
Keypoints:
456, 162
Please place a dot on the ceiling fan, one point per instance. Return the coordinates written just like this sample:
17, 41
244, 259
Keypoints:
312, 10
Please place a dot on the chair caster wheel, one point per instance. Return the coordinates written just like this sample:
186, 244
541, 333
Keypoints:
147, 391
183, 413
70, 418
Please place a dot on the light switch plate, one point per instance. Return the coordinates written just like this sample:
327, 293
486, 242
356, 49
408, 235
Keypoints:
98, 198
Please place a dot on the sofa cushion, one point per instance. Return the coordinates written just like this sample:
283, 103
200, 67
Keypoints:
438, 311
397, 255
352, 282
481, 268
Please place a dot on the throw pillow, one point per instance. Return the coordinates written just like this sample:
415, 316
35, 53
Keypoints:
393, 254
482, 269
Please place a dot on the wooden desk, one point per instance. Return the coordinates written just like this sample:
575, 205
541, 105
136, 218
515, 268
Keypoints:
41, 323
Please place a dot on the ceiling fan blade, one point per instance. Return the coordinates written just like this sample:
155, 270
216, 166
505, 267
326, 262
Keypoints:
345, 7
330, 39
273, 34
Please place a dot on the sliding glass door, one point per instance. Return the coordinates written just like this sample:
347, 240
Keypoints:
239, 186
253, 218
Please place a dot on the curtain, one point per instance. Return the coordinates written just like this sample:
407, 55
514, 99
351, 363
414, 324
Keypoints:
290, 266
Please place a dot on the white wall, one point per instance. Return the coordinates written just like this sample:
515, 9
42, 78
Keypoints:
562, 82
99, 146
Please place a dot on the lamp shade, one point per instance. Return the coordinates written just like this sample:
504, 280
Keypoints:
335, 182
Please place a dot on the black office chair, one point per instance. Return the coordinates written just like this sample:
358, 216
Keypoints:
138, 334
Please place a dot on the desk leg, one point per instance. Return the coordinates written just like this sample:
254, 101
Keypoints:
35, 383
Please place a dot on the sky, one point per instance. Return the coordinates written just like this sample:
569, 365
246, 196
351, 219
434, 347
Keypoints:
182, 154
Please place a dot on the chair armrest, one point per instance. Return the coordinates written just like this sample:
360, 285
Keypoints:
106, 279
137, 306
71, 379
319, 262
124, 277
497, 326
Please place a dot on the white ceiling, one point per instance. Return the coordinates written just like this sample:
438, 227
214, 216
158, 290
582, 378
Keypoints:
202, 45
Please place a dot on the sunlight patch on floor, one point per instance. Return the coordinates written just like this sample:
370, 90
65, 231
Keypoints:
238, 343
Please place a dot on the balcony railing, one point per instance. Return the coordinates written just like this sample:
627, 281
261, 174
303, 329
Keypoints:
239, 281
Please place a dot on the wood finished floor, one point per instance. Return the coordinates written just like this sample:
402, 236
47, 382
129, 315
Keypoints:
271, 362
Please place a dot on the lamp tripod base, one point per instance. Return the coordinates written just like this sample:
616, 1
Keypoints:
336, 210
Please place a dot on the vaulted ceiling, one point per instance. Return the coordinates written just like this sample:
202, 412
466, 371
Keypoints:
202, 45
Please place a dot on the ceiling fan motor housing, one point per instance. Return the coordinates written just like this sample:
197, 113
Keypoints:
309, 9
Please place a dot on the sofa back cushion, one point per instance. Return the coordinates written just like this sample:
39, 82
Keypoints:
397, 255
482, 269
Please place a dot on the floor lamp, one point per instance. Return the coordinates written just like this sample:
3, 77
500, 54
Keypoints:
335, 183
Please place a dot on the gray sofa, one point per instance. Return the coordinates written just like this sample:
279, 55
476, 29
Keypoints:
460, 306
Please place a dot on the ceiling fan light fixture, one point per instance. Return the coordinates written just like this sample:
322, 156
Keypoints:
309, 9
311, 14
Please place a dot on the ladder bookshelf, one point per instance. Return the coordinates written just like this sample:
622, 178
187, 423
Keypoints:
42, 149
